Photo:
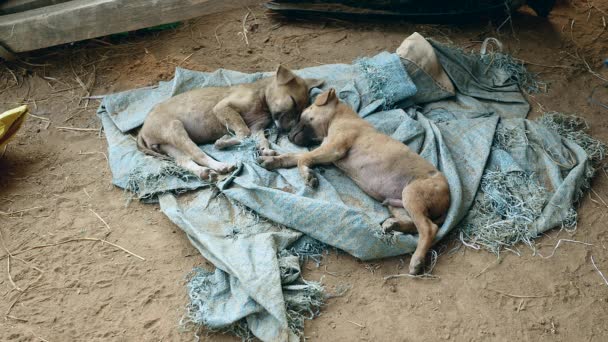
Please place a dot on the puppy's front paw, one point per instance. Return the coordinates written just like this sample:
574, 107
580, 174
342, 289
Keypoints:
311, 180
390, 224
226, 141
223, 168
269, 162
265, 151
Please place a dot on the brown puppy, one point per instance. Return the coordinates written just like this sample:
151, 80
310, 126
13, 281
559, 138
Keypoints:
224, 115
384, 168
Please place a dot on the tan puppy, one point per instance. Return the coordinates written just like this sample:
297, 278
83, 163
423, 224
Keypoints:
224, 115
384, 168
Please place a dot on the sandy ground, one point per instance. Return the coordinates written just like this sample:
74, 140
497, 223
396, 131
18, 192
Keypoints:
55, 183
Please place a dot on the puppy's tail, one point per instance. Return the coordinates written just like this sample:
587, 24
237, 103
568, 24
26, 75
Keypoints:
143, 146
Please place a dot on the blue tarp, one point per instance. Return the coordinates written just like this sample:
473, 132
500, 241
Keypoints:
245, 227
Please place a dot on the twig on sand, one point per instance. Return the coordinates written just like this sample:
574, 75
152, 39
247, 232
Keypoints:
75, 240
244, 32
559, 242
591, 71
9, 213
576, 47
86, 87
598, 271
487, 267
48, 121
10, 255
7, 314
544, 65
517, 296
14, 76
331, 273
219, 42
102, 220
427, 272
93, 97
425, 276
600, 197
38, 337
592, 6
38, 117
357, 324
63, 128
96, 152
572, 31
185, 59
8, 263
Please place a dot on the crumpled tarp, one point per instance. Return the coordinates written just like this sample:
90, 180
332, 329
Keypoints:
248, 249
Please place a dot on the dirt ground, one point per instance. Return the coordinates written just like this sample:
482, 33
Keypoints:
55, 185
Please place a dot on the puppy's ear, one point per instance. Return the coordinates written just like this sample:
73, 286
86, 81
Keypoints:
284, 75
326, 98
313, 83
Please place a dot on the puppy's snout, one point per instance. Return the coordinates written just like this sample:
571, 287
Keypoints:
300, 135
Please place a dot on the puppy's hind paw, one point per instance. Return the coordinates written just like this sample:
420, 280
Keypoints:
416, 265
208, 175
311, 180
390, 224
269, 162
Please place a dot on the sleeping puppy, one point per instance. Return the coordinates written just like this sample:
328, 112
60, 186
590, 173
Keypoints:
224, 115
384, 168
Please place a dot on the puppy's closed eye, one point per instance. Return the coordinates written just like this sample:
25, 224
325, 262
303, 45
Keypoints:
293, 101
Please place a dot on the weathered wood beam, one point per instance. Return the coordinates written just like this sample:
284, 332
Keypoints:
16, 6
84, 19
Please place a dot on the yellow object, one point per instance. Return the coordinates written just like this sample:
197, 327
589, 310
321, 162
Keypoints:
10, 122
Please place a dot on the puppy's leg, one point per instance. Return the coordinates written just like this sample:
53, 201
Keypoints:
263, 144
393, 202
184, 161
328, 152
286, 160
178, 137
257, 130
415, 197
227, 141
400, 221
302, 160
233, 121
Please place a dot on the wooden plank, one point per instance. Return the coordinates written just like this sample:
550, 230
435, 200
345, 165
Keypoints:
84, 19
16, 6
7, 55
